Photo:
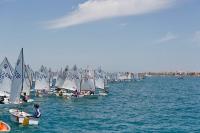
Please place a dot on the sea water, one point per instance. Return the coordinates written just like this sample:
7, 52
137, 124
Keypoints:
155, 104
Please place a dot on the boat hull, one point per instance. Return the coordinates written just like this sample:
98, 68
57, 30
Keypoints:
4, 127
91, 96
85, 96
103, 94
23, 117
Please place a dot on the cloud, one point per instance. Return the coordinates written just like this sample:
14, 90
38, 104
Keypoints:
166, 38
94, 10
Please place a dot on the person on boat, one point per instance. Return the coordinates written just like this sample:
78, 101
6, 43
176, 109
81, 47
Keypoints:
86, 93
1, 99
91, 92
105, 90
75, 93
25, 97
60, 93
44, 92
37, 93
37, 112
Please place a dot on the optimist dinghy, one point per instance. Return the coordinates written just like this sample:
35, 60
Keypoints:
4, 127
23, 117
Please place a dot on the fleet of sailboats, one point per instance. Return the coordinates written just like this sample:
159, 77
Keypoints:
75, 82
72, 83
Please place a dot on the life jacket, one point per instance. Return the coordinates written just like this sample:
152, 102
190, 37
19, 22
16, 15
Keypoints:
24, 99
37, 113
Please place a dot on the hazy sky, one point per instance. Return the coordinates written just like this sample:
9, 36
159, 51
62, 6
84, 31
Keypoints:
118, 35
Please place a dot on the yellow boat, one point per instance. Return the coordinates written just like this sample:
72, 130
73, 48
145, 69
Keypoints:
4, 127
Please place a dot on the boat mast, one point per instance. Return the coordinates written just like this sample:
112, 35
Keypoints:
94, 81
80, 82
104, 82
22, 69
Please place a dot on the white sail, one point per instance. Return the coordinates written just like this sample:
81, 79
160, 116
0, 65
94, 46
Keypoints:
26, 87
70, 85
87, 85
121, 76
88, 81
41, 84
76, 77
17, 80
72, 81
129, 76
99, 83
78, 81
99, 79
27, 82
60, 81
136, 76
6, 74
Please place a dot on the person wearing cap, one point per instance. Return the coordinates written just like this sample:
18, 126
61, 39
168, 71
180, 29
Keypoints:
75, 93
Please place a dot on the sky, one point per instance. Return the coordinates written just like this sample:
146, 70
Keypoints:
118, 35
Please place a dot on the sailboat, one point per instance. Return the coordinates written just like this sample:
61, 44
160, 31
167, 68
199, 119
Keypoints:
27, 84
87, 85
42, 86
17, 85
71, 85
100, 83
6, 74
137, 77
16, 89
60, 80
17, 80
129, 76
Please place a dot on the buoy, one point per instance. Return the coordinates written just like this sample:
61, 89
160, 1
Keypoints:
25, 121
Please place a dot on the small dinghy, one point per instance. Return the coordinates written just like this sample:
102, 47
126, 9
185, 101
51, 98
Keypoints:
4, 127
23, 117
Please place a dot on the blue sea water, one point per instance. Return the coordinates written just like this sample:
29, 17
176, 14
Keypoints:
155, 104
